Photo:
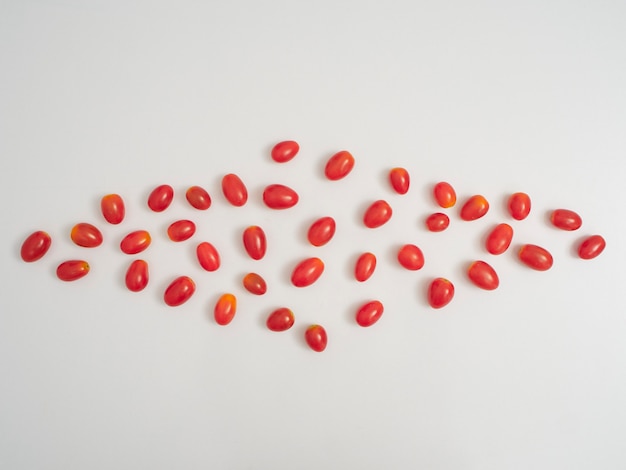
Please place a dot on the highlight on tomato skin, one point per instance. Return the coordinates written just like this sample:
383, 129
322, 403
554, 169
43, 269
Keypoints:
474, 208
113, 209
369, 313
279, 196
179, 291
365, 266
591, 247
321, 231
440, 292
198, 198
400, 180
234, 190
280, 320
255, 242
72, 270
86, 235
181, 230
161, 198
519, 205
499, 239
137, 275
377, 214
316, 338
339, 165
225, 309
254, 284
535, 257
566, 219
483, 275
35, 246
444, 194
285, 151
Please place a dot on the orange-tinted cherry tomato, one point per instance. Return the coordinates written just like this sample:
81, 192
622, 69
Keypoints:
161, 198
137, 275
365, 266
535, 257
474, 208
254, 284
86, 235
280, 320
234, 190
339, 165
208, 257
565, 219
254, 242
279, 196
369, 313
35, 246
307, 272
440, 292
72, 270
437, 222
591, 247
135, 242
316, 338
483, 275
179, 291
285, 151
444, 194
411, 257
181, 230
112, 207
519, 206
198, 198
499, 239
225, 309
377, 214
400, 180
321, 231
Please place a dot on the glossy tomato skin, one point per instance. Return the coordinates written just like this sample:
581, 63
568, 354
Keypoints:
566, 219
474, 208
179, 291
285, 151
135, 242
181, 230
254, 284
444, 194
400, 180
365, 266
280, 320
234, 190
137, 275
35, 246
321, 231
591, 247
377, 214
279, 196
72, 270
440, 292
161, 198
535, 257
316, 338
369, 313
198, 198
254, 242
499, 239
483, 275
339, 165
225, 309
307, 272
437, 222
113, 209
86, 235
208, 256
411, 257
519, 206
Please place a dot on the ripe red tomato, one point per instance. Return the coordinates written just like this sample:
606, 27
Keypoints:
161, 198
112, 207
437, 222
279, 196
377, 214
198, 198
400, 180
591, 247
519, 206
35, 246
307, 272
369, 313
321, 231
137, 275
225, 309
316, 338
566, 219
86, 235
208, 256
411, 257
234, 190
254, 284
181, 230
179, 291
135, 242
365, 266
254, 242
280, 320
535, 257
474, 208
285, 151
440, 292
483, 275
72, 270
444, 194
339, 165
499, 239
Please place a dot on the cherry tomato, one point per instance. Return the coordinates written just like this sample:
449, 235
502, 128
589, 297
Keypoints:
365, 266
591, 247
444, 195
535, 257
208, 257
519, 206
179, 291
285, 151
339, 165
135, 242
474, 208
377, 214
307, 272
137, 275
35, 246
279, 196
440, 292
254, 242
86, 235
225, 309
437, 222
234, 190
400, 180
72, 270
411, 257
483, 275
161, 198
316, 338
565, 219
113, 210
181, 230
499, 239
280, 320
198, 198
321, 231
369, 313
254, 284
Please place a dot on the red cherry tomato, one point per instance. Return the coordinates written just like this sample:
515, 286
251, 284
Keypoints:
339, 165
316, 338
377, 214
307, 272
179, 291
535, 257
280, 320
225, 309
198, 198
519, 206
444, 194
181, 230
135, 242
254, 284
369, 313
254, 242
565, 219
161, 198
499, 239
475, 207
400, 180
411, 257
86, 235
208, 257
234, 190
440, 292
483, 275
321, 231
279, 196
365, 266
437, 222
285, 151
112, 207
137, 275
591, 247
35, 246
72, 270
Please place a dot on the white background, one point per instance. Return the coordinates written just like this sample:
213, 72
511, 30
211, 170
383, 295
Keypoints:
495, 97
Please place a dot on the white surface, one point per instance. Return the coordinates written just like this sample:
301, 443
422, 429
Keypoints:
495, 97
